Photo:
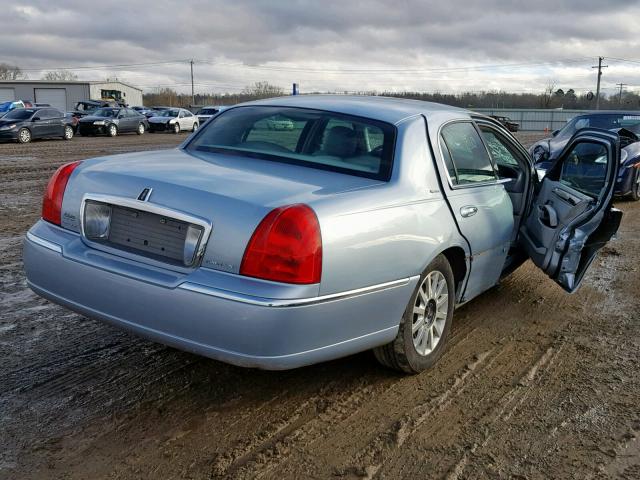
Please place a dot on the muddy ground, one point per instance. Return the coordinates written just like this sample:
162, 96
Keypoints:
535, 383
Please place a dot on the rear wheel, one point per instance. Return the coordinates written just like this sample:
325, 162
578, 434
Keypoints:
141, 129
176, 127
112, 131
24, 135
68, 132
426, 322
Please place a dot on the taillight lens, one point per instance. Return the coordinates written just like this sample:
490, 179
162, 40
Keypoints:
52, 201
286, 247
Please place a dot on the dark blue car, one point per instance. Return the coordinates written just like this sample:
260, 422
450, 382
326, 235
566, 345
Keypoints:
625, 123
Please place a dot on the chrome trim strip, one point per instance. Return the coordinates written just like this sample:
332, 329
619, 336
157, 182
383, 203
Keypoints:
293, 302
44, 243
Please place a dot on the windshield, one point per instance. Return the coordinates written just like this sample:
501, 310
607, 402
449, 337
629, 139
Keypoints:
605, 121
168, 113
86, 107
312, 138
19, 114
106, 112
6, 106
208, 111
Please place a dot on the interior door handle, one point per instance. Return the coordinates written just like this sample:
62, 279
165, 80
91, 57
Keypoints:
468, 211
548, 216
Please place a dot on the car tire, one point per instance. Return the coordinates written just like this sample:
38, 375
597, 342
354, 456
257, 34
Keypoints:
176, 127
68, 133
141, 129
426, 322
112, 130
24, 135
635, 187
195, 127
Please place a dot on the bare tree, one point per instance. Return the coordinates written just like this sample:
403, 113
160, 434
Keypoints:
547, 95
10, 72
60, 76
263, 90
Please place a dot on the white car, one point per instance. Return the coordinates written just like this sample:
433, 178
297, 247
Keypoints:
207, 112
174, 120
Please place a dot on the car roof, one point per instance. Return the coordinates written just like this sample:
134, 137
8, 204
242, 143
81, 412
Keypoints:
610, 112
386, 109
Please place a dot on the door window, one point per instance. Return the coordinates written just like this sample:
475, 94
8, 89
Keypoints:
585, 168
470, 161
501, 152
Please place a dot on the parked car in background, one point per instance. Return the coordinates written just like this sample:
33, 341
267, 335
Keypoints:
26, 124
113, 121
146, 111
507, 122
361, 228
279, 124
87, 107
206, 113
624, 123
174, 120
8, 106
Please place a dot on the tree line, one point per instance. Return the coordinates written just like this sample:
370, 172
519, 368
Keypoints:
553, 96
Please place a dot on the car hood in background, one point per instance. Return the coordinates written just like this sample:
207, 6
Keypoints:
160, 119
93, 118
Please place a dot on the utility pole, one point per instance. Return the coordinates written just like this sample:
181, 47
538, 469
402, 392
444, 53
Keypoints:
193, 95
599, 67
620, 94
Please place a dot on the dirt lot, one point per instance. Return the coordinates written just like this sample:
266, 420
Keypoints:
535, 383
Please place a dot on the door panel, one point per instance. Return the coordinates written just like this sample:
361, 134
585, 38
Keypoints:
488, 231
571, 216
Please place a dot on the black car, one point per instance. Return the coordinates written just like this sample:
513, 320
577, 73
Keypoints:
25, 124
113, 121
507, 122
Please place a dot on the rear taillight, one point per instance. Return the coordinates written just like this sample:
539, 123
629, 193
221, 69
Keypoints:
286, 247
52, 201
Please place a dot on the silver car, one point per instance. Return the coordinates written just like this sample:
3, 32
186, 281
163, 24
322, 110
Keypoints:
174, 120
362, 227
206, 113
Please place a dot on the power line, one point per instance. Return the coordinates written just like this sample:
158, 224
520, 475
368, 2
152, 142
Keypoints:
100, 67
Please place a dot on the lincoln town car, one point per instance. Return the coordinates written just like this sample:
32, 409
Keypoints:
361, 225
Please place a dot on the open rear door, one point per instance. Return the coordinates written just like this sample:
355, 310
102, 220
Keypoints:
571, 217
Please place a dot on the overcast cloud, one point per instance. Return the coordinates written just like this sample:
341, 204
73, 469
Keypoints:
316, 42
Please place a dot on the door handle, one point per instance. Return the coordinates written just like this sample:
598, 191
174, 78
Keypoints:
548, 216
468, 211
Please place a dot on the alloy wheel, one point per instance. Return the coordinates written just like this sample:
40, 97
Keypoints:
430, 312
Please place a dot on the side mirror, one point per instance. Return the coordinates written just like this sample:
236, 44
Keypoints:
555, 132
35, 119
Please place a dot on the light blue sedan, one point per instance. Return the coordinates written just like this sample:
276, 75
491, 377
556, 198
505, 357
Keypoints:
363, 226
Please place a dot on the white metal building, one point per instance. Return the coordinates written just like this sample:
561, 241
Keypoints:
65, 94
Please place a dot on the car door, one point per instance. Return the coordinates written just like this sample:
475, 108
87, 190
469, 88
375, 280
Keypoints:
479, 201
40, 124
56, 122
571, 216
182, 121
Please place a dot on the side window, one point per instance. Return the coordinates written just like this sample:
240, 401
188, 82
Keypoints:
585, 168
181, 115
188, 114
448, 161
468, 154
501, 152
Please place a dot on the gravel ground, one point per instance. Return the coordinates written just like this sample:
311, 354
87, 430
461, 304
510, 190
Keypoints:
535, 383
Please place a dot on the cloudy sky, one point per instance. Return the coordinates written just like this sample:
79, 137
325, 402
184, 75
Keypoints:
327, 45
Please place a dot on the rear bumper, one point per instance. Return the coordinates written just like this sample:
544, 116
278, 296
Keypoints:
203, 318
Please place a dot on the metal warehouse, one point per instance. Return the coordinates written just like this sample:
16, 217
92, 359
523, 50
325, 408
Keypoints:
65, 94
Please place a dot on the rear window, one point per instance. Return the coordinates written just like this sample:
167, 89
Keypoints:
313, 138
